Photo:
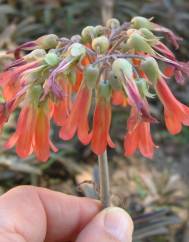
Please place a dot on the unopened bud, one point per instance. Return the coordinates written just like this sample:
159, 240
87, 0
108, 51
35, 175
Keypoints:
151, 69
131, 31
105, 89
35, 55
143, 88
49, 41
149, 36
141, 22
76, 38
124, 47
35, 93
36, 74
122, 67
91, 75
88, 34
51, 59
100, 44
113, 23
99, 30
77, 50
139, 43
114, 81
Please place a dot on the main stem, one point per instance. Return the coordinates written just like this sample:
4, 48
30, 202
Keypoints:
104, 180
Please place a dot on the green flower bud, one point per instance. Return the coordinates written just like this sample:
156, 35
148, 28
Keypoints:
49, 41
77, 50
124, 47
139, 43
143, 88
151, 69
34, 94
51, 59
91, 75
37, 74
72, 77
100, 44
88, 34
122, 67
114, 81
113, 23
105, 89
35, 55
149, 36
141, 22
99, 30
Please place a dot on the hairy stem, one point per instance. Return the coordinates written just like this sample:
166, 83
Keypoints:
104, 180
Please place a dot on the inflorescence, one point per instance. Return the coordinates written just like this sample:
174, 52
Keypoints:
64, 80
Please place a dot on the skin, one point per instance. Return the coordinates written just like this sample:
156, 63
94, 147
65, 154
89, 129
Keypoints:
32, 214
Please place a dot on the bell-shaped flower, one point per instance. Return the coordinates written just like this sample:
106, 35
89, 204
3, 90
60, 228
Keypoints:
138, 136
77, 120
176, 114
33, 128
102, 120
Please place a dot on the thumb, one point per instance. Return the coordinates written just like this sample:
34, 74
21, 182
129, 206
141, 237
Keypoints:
110, 225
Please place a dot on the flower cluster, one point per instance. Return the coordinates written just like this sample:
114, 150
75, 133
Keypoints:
65, 80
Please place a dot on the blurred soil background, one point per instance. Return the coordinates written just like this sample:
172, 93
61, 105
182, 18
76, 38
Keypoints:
155, 192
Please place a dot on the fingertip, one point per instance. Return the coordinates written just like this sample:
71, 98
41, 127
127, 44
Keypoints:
118, 223
111, 224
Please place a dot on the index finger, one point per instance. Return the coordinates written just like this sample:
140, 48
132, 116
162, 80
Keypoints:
38, 214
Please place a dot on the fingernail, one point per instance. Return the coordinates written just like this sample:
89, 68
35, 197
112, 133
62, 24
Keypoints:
118, 223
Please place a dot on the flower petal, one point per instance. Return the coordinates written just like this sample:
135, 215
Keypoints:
25, 138
41, 138
131, 142
101, 125
146, 144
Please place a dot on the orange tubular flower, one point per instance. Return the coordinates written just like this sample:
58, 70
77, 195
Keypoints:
79, 79
118, 98
78, 118
10, 82
5, 110
138, 137
23, 136
60, 112
41, 140
175, 112
101, 126
32, 133
62, 107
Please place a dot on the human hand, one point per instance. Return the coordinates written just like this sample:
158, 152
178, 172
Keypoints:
31, 214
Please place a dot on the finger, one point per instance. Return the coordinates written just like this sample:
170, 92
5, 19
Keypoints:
66, 215
110, 225
38, 214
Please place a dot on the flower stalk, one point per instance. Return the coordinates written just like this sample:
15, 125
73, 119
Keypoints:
104, 179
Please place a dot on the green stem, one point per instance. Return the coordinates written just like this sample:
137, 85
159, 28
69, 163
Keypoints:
104, 180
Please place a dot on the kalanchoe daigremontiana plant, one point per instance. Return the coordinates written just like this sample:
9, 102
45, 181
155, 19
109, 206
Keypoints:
60, 79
